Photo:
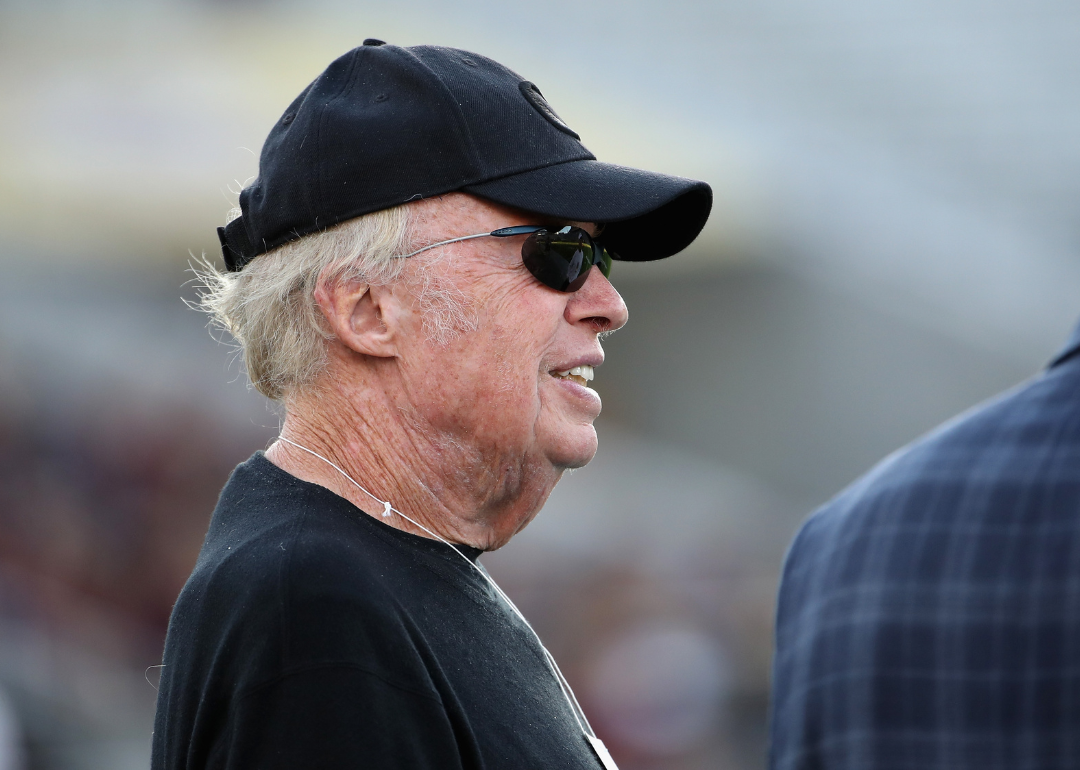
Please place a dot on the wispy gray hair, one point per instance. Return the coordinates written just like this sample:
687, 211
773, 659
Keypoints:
269, 307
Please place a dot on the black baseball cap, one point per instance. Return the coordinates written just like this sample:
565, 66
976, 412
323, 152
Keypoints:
384, 125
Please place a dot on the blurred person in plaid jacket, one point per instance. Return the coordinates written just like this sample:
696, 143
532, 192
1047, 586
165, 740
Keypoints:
929, 616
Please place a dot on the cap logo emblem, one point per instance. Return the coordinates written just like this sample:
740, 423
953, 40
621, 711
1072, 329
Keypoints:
536, 99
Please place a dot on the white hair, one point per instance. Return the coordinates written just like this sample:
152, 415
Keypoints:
269, 307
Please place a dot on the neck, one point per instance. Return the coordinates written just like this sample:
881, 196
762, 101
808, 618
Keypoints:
460, 493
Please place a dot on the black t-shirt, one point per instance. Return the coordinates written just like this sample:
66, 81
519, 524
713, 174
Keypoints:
312, 635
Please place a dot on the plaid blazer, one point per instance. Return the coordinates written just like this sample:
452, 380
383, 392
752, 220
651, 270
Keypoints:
929, 616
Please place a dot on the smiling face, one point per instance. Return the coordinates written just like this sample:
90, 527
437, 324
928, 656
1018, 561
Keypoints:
509, 392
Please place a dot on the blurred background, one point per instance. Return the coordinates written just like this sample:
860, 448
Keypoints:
894, 239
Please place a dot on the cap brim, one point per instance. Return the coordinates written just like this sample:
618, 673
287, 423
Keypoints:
647, 215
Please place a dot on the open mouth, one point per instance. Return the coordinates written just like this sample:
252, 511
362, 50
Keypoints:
582, 375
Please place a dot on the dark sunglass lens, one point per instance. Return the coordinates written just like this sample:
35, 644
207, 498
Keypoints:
559, 260
545, 265
604, 263
578, 282
562, 260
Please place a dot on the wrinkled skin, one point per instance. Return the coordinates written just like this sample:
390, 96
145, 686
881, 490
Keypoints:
468, 436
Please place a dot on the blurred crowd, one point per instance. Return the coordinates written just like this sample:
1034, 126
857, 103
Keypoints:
102, 513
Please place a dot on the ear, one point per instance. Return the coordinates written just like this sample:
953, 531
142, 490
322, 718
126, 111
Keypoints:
361, 316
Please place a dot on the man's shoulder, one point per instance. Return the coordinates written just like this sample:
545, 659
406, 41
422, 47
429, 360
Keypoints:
270, 527
900, 590
982, 462
1015, 435
289, 574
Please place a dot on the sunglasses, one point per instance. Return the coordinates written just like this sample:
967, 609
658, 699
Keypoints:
560, 259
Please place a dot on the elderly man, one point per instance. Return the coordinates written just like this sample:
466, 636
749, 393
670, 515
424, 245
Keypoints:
411, 276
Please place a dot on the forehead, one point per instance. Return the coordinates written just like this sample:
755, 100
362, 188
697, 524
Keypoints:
456, 214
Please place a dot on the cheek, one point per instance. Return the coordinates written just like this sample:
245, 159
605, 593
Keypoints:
515, 357
508, 399
486, 381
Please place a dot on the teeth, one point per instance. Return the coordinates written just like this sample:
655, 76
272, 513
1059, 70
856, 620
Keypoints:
579, 374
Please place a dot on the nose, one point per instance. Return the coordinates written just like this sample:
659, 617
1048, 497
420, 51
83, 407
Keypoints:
597, 304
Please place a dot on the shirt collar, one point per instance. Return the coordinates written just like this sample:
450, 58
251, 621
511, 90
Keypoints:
1072, 347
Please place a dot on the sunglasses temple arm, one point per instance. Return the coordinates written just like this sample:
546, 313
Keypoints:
502, 232
443, 243
505, 232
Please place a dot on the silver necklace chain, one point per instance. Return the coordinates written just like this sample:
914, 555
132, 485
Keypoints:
567, 691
